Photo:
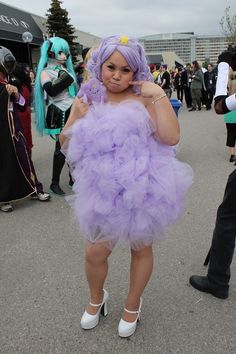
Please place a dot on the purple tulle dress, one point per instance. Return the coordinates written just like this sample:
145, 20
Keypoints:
127, 185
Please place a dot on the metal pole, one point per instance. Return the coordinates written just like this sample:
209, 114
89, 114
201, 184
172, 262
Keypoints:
29, 55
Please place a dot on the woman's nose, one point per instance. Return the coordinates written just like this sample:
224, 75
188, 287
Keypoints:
116, 75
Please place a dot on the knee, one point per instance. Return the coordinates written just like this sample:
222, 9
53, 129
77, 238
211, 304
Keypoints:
143, 253
96, 254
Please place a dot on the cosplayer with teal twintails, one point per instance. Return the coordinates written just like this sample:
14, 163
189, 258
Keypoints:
55, 89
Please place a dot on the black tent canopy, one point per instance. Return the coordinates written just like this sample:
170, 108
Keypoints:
14, 22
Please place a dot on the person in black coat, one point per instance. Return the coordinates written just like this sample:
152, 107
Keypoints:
210, 85
17, 175
186, 82
179, 85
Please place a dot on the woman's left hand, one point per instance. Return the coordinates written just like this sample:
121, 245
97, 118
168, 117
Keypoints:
148, 88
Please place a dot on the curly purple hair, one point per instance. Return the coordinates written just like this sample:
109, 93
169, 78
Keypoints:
131, 50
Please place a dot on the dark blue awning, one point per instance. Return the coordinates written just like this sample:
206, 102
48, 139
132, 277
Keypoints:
14, 22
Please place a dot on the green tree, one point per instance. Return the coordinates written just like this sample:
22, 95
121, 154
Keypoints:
58, 24
228, 25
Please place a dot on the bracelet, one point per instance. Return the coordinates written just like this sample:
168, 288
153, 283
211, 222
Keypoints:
158, 98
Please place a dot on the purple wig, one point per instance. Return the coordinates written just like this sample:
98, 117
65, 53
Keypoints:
131, 50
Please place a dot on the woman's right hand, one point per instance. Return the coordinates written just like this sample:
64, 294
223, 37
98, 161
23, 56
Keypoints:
79, 108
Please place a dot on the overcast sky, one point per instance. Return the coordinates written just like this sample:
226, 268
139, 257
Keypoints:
138, 17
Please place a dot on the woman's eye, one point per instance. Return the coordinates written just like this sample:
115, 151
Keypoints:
127, 70
110, 67
60, 52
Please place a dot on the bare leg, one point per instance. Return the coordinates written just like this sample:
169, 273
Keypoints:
232, 150
96, 267
140, 272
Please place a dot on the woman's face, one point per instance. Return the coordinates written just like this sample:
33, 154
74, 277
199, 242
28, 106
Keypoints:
31, 75
62, 57
116, 73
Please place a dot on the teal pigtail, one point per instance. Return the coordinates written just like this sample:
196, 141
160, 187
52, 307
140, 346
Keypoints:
38, 90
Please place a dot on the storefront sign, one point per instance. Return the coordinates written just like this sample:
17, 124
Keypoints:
14, 22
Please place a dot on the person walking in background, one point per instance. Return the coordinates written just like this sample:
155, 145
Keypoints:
154, 68
204, 93
56, 77
196, 86
79, 70
178, 84
128, 186
210, 85
166, 80
186, 82
216, 282
32, 80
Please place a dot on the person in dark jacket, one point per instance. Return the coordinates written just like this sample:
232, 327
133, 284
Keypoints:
186, 82
216, 282
210, 85
179, 85
196, 86
166, 80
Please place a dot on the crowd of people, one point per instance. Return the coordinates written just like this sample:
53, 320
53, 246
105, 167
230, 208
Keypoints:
117, 133
193, 83
197, 85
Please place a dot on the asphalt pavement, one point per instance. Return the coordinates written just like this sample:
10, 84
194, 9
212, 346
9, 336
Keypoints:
43, 289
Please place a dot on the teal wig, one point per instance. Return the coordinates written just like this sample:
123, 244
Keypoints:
55, 45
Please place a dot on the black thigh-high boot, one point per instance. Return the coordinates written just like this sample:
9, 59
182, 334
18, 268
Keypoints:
223, 242
58, 163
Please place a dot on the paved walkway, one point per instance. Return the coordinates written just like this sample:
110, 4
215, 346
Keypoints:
43, 289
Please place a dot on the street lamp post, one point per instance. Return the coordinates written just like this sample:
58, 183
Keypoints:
27, 37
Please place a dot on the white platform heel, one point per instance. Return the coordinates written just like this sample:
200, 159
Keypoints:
90, 321
126, 329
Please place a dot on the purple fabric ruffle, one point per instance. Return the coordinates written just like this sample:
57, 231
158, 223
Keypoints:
128, 186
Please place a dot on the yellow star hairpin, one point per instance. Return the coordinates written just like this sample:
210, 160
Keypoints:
124, 40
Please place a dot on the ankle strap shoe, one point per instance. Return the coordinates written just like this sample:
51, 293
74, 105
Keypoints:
89, 321
125, 328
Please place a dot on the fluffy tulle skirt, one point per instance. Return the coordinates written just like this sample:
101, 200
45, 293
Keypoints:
128, 186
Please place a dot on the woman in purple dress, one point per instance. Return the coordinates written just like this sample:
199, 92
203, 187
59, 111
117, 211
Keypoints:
128, 185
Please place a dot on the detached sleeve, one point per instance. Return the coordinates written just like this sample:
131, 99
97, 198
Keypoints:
55, 87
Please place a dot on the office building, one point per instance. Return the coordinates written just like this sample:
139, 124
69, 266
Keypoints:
187, 46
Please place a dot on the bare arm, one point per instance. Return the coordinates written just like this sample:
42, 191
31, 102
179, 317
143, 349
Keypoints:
78, 110
161, 111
